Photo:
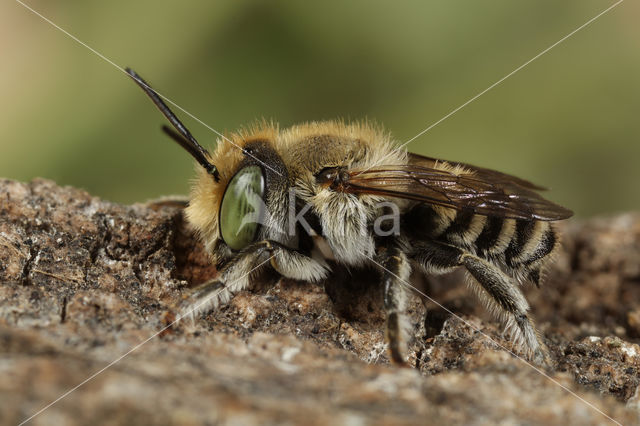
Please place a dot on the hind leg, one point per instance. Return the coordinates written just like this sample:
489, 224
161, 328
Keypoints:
499, 292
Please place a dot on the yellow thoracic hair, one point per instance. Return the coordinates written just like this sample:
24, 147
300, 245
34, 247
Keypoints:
360, 144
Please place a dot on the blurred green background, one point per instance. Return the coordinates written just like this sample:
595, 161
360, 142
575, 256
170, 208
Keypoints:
569, 120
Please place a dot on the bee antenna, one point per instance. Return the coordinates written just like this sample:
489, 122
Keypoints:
183, 137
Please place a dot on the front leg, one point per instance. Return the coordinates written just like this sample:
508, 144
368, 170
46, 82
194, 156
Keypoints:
395, 274
236, 275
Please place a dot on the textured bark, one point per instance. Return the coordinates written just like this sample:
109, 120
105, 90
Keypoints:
83, 281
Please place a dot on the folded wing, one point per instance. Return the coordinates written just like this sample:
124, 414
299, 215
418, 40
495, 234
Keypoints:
458, 186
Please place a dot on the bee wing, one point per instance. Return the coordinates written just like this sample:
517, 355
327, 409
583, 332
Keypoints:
488, 174
483, 191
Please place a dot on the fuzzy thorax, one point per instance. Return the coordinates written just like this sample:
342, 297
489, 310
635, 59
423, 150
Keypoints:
305, 149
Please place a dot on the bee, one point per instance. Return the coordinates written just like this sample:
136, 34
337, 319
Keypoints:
302, 199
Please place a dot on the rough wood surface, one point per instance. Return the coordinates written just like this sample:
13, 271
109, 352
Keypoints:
84, 281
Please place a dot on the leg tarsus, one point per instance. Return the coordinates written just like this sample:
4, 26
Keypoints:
397, 342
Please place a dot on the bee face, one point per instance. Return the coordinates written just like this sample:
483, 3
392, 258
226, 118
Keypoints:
293, 200
205, 207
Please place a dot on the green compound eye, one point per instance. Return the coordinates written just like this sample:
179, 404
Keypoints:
242, 207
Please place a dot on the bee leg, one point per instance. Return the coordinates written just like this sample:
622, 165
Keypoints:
396, 271
296, 265
500, 293
233, 278
236, 275
508, 303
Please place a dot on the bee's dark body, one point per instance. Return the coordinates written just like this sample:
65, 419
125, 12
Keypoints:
520, 246
324, 188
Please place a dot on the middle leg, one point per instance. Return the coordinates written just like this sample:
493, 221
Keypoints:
395, 274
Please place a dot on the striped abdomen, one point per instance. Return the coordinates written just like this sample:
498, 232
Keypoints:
520, 246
